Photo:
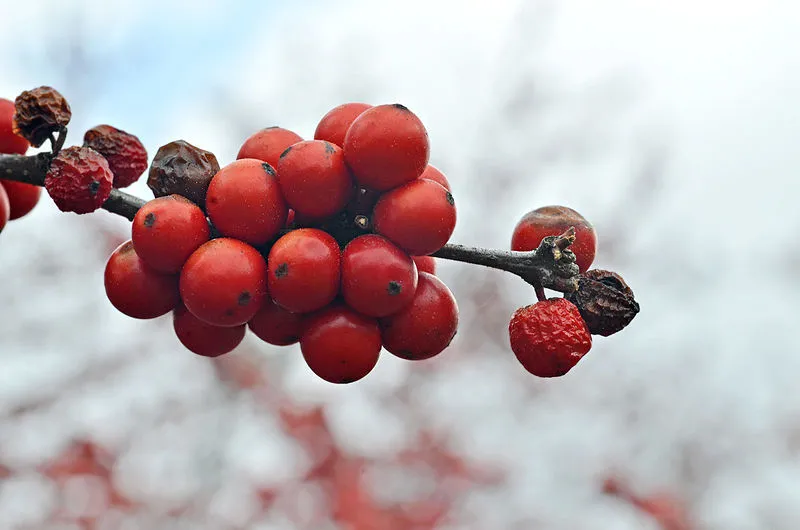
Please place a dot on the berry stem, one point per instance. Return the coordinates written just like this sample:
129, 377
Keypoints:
551, 266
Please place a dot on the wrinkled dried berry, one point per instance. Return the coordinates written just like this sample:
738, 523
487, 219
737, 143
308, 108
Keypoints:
126, 155
605, 302
79, 180
40, 113
183, 169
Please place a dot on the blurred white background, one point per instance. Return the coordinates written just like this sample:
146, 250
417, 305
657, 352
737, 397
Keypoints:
671, 125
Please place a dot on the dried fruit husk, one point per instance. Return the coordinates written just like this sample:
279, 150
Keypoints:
183, 169
40, 113
605, 302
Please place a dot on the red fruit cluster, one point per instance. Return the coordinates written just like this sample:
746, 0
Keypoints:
324, 242
17, 199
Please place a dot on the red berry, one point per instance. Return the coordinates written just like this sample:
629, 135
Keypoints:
10, 143
378, 279
268, 144
137, 290
340, 345
386, 146
275, 325
5, 208
224, 282
202, 338
432, 173
549, 337
425, 264
419, 217
79, 180
554, 221
314, 178
334, 125
167, 230
244, 201
22, 197
126, 155
304, 270
426, 326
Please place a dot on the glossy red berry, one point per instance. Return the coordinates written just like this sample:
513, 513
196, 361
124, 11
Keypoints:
549, 337
244, 201
314, 179
419, 217
202, 338
22, 197
433, 173
340, 345
268, 144
275, 325
137, 290
125, 154
378, 279
224, 282
167, 230
5, 208
553, 221
386, 146
304, 270
426, 327
79, 180
425, 264
334, 125
10, 143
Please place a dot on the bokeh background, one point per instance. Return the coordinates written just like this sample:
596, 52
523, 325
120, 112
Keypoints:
672, 125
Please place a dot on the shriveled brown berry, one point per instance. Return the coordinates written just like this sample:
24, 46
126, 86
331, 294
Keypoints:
79, 180
605, 302
40, 113
183, 169
126, 155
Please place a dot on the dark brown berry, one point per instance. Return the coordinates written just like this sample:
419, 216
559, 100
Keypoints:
126, 155
40, 113
183, 169
79, 180
605, 302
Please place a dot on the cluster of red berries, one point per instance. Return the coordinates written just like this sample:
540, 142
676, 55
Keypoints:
324, 242
17, 199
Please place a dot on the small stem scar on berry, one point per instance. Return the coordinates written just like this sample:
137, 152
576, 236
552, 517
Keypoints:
551, 266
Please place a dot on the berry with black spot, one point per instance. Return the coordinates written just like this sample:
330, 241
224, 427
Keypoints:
378, 279
334, 125
79, 180
22, 197
549, 337
386, 146
126, 155
244, 201
434, 174
275, 325
183, 169
314, 179
10, 142
202, 338
425, 327
135, 289
268, 144
224, 282
553, 221
40, 114
419, 217
340, 345
304, 270
167, 230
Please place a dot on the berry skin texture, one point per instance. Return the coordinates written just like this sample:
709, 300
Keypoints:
304, 270
40, 113
22, 197
553, 221
334, 125
167, 230
275, 325
137, 290
10, 143
433, 173
204, 339
425, 327
5, 208
125, 154
79, 180
224, 282
378, 279
244, 201
549, 337
386, 146
340, 345
425, 264
268, 144
314, 179
419, 217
